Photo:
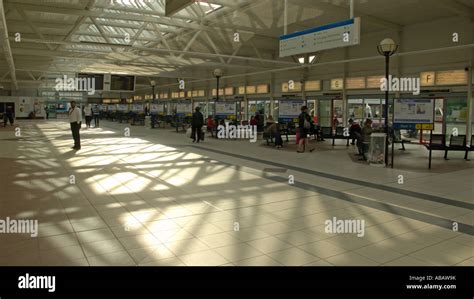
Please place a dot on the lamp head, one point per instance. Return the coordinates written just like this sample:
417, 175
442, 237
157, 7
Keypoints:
218, 73
152, 82
388, 46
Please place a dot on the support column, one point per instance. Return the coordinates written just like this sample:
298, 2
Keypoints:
344, 91
469, 102
272, 95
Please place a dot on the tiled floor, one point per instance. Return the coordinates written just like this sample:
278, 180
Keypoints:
156, 199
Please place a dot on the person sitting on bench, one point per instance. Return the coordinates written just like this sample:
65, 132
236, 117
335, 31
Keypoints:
363, 143
211, 125
354, 127
272, 130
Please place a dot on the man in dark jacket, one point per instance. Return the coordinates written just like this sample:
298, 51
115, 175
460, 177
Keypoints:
353, 129
196, 123
9, 115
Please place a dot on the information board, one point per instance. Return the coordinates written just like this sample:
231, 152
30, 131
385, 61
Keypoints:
335, 35
414, 114
156, 108
102, 107
289, 110
184, 108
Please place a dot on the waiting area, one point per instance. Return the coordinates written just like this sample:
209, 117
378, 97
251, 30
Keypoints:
155, 198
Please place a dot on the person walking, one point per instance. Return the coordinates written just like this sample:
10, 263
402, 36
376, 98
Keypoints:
88, 115
46, 111
75, 120
304, 121
196, 123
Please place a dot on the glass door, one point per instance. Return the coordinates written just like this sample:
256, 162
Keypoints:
313, 109
211, 108
439, 116
276, 110
252, 109
456, 116
338, 114
325, 113
355, 109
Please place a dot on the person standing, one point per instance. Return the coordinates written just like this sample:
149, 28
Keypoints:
96, 114
304, 126
75, 120
9, 115
196, 123
46, 111
88, 115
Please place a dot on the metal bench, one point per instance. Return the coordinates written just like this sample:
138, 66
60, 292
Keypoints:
327, 132
437, 143
469, 149
456, 143
397, 138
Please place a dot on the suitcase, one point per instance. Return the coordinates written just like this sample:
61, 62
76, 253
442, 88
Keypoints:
201, 133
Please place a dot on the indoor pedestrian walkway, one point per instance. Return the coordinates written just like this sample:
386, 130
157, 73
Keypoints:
155, 199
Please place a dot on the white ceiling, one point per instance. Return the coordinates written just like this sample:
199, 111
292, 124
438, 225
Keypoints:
134, 36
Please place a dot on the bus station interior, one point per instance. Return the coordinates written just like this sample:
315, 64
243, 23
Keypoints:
141, 196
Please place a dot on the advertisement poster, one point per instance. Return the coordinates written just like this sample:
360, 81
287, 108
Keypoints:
122, 107
456, 110
289, 110
413, 113
184, 108
111, 107
137, 108
225, 108
156, 108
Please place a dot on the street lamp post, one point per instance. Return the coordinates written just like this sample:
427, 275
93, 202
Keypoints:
218, 74
387, 48
153, 97
153, 84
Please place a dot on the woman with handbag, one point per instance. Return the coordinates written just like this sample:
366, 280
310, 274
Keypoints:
304, 121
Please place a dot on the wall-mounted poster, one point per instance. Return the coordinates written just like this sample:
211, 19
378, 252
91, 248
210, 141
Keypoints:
157, 108
414, 114
289, 110
225, 108
111, 107
184, 108
137, 108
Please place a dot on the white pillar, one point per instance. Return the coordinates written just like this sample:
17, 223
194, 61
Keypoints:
351, 3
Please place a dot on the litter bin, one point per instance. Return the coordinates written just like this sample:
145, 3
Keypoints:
148, 122
376, 155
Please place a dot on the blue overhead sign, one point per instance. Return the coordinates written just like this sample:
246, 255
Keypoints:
334, 35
